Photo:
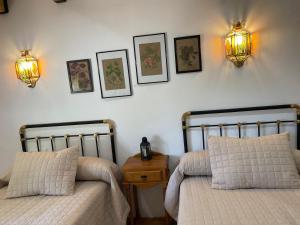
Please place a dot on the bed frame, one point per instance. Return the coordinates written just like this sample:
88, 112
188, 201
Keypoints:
186, 116
110, 133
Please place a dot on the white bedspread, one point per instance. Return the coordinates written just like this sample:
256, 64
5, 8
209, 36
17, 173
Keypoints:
202, 205
93, 203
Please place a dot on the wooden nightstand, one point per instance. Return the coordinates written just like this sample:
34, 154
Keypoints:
144, 174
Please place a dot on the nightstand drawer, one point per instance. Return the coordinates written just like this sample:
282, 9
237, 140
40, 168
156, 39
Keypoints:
143, 176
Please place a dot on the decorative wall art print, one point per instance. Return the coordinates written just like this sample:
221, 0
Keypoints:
60, 1
80, 76
188, 54
151, 58
114, 74
3, 6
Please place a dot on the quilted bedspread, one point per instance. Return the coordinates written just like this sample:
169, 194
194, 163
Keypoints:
93, 203
202, 205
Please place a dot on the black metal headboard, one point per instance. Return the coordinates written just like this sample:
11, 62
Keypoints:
109, 133
238, 125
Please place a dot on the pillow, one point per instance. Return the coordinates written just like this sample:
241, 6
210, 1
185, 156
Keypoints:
92, 169
47, 173
263, 162
297, 159
198, 163
195, 164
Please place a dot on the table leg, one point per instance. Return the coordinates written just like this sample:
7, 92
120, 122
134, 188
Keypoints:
128, 188
137, 211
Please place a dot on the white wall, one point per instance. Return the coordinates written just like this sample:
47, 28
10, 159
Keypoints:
78, 29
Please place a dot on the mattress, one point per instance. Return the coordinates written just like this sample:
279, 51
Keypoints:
89, 205
199, 204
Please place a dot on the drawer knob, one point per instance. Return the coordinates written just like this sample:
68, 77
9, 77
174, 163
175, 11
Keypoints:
144, 177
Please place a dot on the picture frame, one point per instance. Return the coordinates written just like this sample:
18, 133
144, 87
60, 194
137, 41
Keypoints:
188, 54
3, 7
151, 59
114, 73
59, 1
80, 76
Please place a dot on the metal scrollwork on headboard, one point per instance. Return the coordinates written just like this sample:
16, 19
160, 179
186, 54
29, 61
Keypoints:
66, 137
278, 123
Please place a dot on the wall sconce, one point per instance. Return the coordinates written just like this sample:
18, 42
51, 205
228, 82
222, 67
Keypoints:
27, 69
3, 7
238, 45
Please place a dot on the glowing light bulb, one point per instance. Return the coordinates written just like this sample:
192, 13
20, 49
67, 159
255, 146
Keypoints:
238, 45
239, 39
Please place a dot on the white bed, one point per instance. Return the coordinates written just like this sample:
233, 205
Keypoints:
91, 203
97, 197
190, 198
202, 205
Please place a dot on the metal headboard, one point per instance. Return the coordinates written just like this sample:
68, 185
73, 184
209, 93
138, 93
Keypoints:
238, 125
66, 137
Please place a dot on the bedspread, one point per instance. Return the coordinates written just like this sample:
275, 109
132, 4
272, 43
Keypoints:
93, 203
202, 205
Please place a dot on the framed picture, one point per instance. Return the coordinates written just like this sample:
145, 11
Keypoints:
151, 60
114, 74
3, 6
188, 54
80, 76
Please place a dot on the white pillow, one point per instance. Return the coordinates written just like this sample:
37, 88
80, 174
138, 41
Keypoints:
195, 164
263, 162
198, 163
47, 173
93, 169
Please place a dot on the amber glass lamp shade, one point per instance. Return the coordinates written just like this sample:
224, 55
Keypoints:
238, 45
27, 69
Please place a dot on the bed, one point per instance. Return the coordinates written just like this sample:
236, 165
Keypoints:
191, 200
200, 204
93, 202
